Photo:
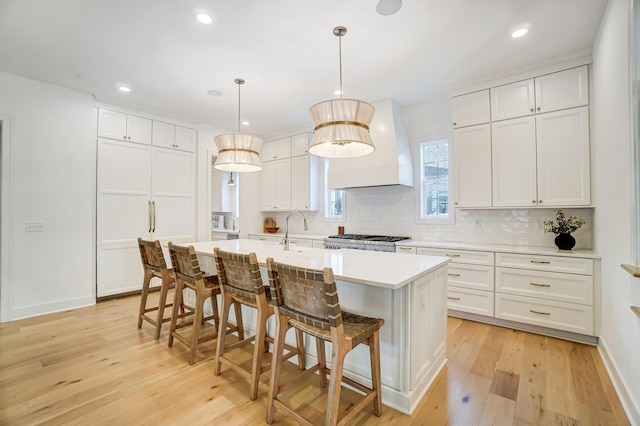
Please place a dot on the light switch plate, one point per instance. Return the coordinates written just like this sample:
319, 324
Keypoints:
34, 227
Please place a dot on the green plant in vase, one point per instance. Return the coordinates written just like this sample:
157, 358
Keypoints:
563, 226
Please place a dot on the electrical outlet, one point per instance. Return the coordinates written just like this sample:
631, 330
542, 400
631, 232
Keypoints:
34, 227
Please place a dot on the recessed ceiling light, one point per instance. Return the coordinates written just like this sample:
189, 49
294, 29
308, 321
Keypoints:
124, 89
203, 18
245, 123
214, 93
519, 32
388, 7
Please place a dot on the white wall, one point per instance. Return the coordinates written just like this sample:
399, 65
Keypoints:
53, 159
620, 332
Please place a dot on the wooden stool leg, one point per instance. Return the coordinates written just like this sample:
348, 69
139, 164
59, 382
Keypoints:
335, 382
374, 354
322, 361
143, 297
214, 308
177, 300
258, 350
227, 300
302, 358
238, 310
197, 324
164, 289
282, 324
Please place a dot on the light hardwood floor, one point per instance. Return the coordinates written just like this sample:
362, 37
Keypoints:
92, 366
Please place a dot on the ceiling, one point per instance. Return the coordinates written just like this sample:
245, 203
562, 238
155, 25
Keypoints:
284, 49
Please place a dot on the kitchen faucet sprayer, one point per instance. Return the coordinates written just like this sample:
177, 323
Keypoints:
286, 228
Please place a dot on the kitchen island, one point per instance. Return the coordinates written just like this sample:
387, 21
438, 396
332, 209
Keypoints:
407, 291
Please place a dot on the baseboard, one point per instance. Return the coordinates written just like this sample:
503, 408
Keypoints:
631, 407
49, 308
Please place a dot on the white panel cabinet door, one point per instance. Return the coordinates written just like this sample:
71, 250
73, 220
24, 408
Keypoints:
563, 158
561, 90
471, 109
112, 124
185, 139
513, 152
123, 214
283, 184
513, 100
278, 149
300, 188
268, 186
163, 134
300, 145
138, 129
472, 166
173, 196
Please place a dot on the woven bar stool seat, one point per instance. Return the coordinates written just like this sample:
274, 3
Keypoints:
307, 300
241, 284
154, 266
188, 275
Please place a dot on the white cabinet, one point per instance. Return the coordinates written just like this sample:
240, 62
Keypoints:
273, 150
276, 185
512, 100
142, 191
561, 90
513, 154
305, 182
186, 138
563, 158
300, 144
472, 164
317, 244
470, 109
121, 126
259, 237
174, 137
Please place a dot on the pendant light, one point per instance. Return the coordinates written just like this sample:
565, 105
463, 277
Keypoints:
238, 152
341, 126
231, 181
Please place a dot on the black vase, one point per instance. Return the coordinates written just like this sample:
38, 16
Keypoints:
565, 241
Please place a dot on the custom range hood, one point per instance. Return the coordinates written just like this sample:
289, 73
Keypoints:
389, 164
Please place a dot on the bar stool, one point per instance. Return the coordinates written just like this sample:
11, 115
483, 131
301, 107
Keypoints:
188, 275
307, 299
155, 266
241, 283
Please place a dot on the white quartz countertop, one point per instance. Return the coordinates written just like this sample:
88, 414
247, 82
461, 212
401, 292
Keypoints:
291, 235
226, 231
387, 270
503, 248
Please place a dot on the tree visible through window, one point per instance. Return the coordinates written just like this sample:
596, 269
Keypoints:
434, 160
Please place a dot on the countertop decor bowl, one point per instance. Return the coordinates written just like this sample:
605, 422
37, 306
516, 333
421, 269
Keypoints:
271, 230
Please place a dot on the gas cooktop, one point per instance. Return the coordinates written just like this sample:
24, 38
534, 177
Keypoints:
364, 238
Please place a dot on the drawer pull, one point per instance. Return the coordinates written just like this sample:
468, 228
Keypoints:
540, 285
544, 262
453, 275
453, 298
452, 255
538, 312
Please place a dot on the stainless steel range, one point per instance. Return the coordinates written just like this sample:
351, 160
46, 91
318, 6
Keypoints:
363, 242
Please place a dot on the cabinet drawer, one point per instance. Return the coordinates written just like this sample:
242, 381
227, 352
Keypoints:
468, 300
317, 244
262, 238
406, 249
460, 256
478, 277
547, 285
572, 265
546, 313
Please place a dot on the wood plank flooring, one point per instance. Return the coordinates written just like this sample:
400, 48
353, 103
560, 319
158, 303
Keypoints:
93, 366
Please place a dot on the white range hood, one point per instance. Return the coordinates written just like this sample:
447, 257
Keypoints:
389, 164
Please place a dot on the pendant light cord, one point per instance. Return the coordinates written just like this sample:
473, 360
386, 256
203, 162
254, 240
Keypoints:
340, 53
239, 84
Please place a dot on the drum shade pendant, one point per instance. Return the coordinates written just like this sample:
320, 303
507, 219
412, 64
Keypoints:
341, 126
238, 152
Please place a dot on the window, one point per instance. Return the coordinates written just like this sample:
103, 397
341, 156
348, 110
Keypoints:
334, 199
434, 180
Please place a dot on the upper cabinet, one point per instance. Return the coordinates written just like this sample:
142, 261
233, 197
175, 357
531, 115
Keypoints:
536, 152
275, 150
121, 126
471, 109
131, 128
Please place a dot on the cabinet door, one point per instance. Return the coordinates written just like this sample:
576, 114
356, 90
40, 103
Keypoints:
173, 191
512, 100
268, 151
283, 184
283, 148
471, 109
163, 134
300, 183
300, 145
123, 214
138, 129
563, 158
513, 152
185, 138
112, 124
560, 90
268, 186
472, 166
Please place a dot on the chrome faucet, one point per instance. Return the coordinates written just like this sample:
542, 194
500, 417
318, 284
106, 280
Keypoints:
286, 228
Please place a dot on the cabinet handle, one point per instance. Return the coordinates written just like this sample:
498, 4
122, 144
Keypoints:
540, 285
543, 262
153, 204
129, 137
453, 298
149, 214
539, 313
451, 255
539, 201
531, 109
453, 275
533, 201
456, 203
454, 124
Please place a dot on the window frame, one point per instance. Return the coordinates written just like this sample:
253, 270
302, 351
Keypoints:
449, 218
327, 216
